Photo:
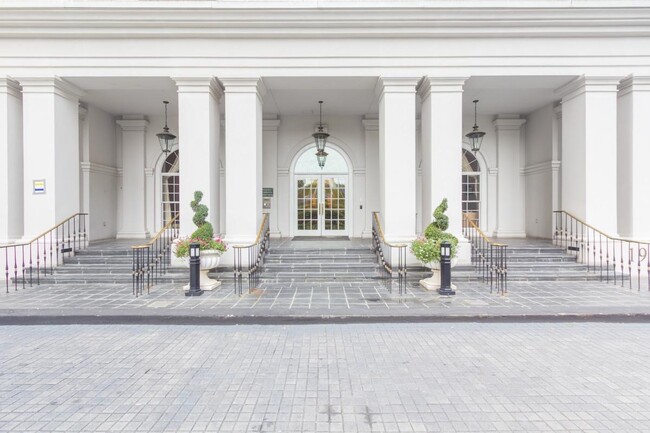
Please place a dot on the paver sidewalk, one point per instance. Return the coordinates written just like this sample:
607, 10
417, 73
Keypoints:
361, 300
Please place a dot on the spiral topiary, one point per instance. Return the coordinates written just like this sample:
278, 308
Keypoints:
427, 249
204, 230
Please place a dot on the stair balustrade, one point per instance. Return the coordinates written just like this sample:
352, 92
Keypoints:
490, 259
390, 256
152, 259
615, 259
26, 262
254, 253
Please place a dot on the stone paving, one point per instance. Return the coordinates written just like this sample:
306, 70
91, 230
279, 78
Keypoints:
468, 377
352, 299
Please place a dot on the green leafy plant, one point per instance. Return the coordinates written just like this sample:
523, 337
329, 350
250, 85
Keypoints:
204, 234
427, 248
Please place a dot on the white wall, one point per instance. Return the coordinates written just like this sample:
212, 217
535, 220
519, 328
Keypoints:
538, 172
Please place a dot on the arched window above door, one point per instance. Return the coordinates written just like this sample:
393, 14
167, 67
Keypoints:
307, 163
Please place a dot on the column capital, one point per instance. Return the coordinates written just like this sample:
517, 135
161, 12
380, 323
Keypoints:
586, 84
508, 122
428, 85
132, 124
54, 85
397, 84
634, 83
370, 124
199, 85
10, 87
244, 85
270, 124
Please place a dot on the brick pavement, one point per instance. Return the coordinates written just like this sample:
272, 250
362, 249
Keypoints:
466, 377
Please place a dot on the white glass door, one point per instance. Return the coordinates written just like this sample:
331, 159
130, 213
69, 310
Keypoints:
321, 205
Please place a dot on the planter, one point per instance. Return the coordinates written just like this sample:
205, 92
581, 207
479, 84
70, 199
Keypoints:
209, 260
433, 282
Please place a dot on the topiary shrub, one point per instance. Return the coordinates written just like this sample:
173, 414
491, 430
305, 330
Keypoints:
204, 234
427, 248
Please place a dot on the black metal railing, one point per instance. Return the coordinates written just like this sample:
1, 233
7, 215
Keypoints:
391, 257
617, 260
254, 254
151, 260
490, 259
25, 263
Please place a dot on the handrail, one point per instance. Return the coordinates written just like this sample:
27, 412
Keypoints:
489, 258
56, 243
614, 258
150, 260
256, 252
384, 252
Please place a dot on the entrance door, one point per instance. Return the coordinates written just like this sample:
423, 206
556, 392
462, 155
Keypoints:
321, 203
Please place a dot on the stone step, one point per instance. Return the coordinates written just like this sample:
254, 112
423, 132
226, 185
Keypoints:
534, 250
96, 260
321, 267
320, 251
541, 258
535, 267
321, 259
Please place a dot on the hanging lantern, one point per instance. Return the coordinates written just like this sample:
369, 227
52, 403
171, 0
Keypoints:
321, 155
476, 136
320, 137
166, 138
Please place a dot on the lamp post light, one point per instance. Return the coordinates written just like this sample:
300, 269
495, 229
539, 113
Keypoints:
166, 138
476, 136
445, 270
320, 137
195, 269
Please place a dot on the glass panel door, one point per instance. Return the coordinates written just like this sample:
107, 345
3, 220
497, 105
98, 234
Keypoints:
307, 206
334, 206
321, 205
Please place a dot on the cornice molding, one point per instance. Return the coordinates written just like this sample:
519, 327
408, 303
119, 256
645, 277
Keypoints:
270, 124
244, 85
542, 167
396, 85
53, 85
429, 85
92, 167
281, 19
370, 124
133, 124
10, 87
508, 123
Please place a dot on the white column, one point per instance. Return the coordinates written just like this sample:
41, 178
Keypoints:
442, 147
243, 157
556, 156
199, 127
589, 151
50, 152
134, 217
371, 205
270, 170
11, 161
511, 198
633, 158
397, 165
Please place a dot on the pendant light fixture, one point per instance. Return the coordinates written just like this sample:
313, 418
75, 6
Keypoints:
166, 138
320, 137
476, 136
321, 155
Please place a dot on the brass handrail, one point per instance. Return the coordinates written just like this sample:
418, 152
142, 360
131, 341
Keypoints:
157, 236
256, 252
480, 232
597, 230
381, 233
45, 232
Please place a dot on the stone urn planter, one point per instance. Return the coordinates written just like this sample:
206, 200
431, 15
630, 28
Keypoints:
433, 282
209, 260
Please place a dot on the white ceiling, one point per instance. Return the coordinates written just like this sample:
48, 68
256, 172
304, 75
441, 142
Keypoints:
341, 95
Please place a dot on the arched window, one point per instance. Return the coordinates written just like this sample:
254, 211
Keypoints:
170, 188
471, 198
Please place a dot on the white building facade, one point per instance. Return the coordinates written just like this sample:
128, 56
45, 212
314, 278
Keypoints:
563, 89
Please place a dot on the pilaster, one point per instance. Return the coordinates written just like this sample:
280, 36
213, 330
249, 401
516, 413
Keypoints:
11, 161
134, 197
270, 170
371, 128
510, 185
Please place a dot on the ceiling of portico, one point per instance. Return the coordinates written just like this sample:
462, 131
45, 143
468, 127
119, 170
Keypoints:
341, 95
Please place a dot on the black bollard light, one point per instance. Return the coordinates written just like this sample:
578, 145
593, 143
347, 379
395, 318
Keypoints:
195, 269
445, 269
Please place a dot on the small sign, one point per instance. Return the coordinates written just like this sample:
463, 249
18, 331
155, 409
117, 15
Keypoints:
572, 248
39, 186
267, 192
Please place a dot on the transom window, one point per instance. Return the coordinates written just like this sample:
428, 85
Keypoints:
471, 191
308, 164
170, 188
